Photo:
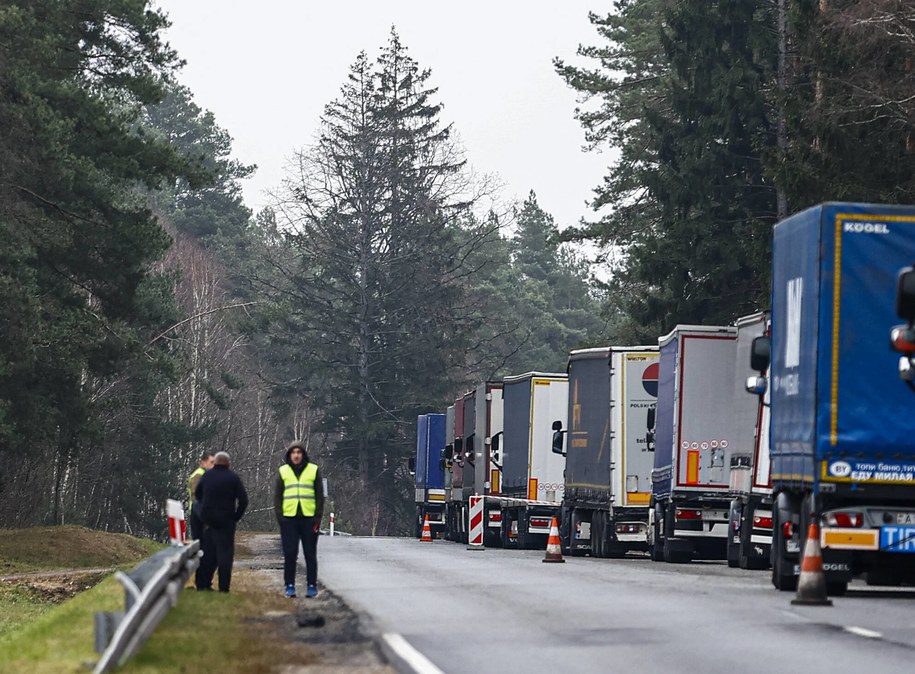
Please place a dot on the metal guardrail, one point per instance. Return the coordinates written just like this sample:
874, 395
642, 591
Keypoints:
151, 589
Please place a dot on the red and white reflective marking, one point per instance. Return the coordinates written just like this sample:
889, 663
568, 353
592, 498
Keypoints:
475, 537
176, 527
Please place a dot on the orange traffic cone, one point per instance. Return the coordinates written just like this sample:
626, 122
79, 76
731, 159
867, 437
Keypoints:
553, 545
811, 586
427, 531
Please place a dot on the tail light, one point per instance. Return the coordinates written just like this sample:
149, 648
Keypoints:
902, 339
845, 520
628, 528
788, 530
540, 522
683, 514
761, 522
495, 517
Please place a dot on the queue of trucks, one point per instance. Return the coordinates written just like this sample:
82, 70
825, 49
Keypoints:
719, 442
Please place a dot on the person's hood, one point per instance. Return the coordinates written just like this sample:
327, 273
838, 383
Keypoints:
293, 445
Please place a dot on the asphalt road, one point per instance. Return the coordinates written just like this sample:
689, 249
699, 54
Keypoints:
472, 612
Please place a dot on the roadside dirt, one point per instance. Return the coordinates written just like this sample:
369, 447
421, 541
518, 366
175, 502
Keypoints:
332, 633
57, 586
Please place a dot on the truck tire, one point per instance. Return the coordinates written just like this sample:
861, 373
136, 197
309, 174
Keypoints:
734, 531
671, 554
656, 551
418, 528
522, 530
783, 577
597, 534
565, 532
507, 541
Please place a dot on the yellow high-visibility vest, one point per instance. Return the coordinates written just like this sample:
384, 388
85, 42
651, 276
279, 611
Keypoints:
190, 488
298, 491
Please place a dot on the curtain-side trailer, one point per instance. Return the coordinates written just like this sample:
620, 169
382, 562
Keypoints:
842, 424
609, 454
429, 475
529, 474
696, 432
750, 518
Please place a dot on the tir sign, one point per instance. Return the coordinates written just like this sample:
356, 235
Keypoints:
795, 297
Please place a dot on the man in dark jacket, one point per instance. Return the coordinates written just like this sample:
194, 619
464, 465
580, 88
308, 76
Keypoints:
223, 499
299, 505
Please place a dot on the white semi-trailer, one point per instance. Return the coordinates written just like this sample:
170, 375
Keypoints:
527, 483
697, 431
609, 452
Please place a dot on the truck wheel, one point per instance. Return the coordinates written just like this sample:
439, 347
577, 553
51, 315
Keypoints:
565, 532
597, 534
522, 531
783, 577
418, 528
734, 521
657, 549
672, 556
507, 542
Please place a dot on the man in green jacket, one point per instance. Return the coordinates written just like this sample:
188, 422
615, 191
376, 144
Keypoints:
203, 465
299, 505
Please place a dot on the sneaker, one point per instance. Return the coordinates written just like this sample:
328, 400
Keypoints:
290, 591
312, 591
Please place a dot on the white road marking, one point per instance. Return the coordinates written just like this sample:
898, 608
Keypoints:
416, 660
861, 632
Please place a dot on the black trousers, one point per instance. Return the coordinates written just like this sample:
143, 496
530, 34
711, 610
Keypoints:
196, 525
218, 546
295, 530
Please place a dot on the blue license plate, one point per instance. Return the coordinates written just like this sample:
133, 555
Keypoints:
897, 539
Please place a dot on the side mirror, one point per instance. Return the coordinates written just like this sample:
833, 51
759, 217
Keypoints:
448, 452
458, 446
557, 425
558, 440
760, 353
757, 385
905, 294
411, 464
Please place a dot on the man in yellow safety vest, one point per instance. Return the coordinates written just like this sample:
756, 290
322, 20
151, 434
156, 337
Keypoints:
203, 465
299, 506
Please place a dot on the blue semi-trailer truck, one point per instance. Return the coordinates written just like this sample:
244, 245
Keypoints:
429, 475
842, 423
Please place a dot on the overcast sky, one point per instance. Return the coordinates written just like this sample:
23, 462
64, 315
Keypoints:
266, 69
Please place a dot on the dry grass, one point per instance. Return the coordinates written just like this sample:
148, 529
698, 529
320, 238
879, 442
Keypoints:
43, 548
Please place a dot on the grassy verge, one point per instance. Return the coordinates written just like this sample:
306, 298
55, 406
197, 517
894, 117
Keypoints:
60, 640
46, 548
69, 548
205, 632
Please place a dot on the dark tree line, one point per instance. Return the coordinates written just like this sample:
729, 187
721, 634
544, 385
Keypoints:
727, 114
148, 316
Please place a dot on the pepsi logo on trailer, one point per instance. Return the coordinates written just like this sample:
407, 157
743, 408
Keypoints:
650, 380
